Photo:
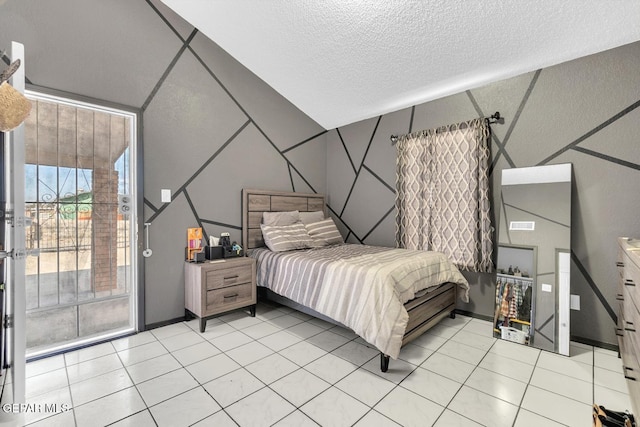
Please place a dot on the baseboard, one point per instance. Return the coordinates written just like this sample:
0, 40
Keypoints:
164, 323
577, 339
574, 338
595, 343
474, 315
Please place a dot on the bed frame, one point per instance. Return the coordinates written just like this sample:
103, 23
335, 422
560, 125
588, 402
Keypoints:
424, 312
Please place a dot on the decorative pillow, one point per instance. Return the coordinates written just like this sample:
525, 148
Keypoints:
311, 217
280, 218
281, 238
325, 231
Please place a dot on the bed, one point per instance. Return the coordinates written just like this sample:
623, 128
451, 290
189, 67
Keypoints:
389, 297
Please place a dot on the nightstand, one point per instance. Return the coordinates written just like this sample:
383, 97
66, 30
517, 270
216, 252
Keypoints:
213, 288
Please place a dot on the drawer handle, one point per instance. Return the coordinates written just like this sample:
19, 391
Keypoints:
619, 332
230, 296
629, 282
620, 264
629, 326
620, 297
231, 278
628, 376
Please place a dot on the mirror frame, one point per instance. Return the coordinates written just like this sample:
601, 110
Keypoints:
549, 174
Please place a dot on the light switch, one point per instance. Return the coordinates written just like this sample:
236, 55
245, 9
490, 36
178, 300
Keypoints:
575, 302
165, 195
546, 287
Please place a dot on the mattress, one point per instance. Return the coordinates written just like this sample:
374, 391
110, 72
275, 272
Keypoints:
362, 287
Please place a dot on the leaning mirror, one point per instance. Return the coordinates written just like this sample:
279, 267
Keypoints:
534, 252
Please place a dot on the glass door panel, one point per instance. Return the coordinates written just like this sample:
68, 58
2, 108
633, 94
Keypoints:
82, 288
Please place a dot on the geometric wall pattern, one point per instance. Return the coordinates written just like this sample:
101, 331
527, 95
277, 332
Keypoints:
585, 112
211, 127
235, 143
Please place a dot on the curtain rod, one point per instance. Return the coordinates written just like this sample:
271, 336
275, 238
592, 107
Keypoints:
492, 119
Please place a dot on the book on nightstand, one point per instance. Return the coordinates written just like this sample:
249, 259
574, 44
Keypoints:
194, 242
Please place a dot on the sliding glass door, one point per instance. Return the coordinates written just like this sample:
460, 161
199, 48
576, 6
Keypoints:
80, 193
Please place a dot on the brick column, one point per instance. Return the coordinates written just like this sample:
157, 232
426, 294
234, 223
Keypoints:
104, 228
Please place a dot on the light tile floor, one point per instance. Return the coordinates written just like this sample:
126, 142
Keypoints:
284, 368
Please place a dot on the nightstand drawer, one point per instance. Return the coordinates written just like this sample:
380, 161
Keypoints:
223, 277
233, 295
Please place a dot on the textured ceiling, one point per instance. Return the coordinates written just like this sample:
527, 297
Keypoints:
341, 61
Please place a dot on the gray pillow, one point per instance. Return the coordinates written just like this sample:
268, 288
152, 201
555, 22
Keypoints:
325, 232
281, 238
311, 217
280, 218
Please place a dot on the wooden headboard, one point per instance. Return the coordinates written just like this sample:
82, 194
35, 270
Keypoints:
255, 202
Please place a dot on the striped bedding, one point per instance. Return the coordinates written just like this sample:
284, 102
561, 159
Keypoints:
363, 287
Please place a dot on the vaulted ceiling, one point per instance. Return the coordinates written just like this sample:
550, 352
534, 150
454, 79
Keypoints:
341, 61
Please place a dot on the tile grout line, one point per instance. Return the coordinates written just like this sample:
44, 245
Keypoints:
182, 366
251, 373
477, 365
222, 408
134, 385
299, 367
108, 394
526, 388
324, 328
146, 407
124, 367
406, 376
497, 373
463, 383
268, 386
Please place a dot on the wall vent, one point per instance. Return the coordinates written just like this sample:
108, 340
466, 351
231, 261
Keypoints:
522, 226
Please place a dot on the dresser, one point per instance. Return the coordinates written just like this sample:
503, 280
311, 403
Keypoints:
213, 288
628, 328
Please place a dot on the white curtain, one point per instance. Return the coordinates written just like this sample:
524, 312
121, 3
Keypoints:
442, 193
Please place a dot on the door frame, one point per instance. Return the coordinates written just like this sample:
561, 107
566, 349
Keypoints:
14, 320
137, 235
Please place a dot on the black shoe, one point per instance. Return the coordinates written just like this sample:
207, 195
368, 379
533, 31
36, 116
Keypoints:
617, 415
610, 422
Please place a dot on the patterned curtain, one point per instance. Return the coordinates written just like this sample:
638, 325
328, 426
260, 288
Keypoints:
442, 193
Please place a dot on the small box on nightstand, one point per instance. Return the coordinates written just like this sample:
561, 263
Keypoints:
213, 252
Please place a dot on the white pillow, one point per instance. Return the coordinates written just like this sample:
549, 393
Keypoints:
281, 238
311, 217
280, 218
325, 232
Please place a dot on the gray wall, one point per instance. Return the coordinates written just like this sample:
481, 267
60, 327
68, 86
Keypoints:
583, 112
210, 126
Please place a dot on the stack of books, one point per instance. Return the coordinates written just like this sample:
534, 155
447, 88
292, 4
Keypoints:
194, 242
